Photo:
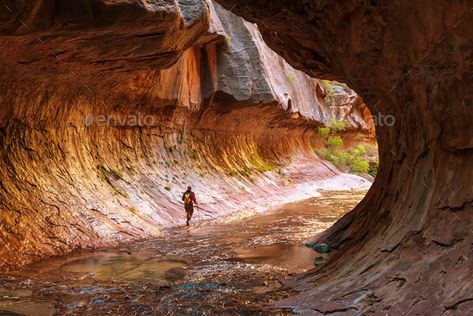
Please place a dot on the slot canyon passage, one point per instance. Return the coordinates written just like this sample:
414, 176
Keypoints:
110, 108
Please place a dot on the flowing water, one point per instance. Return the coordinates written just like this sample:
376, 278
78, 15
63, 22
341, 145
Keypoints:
210, 268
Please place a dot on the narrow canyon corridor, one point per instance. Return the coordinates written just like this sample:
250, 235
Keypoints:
342, 125
225, 267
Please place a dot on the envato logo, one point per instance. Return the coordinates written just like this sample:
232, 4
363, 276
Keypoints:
383, 120
115, 120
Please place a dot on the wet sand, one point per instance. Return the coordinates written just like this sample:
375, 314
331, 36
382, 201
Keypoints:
219, 267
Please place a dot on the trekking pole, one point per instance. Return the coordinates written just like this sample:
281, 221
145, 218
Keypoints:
198, 206
203, 209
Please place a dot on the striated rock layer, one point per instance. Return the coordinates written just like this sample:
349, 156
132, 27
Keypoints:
407, 248
110, 108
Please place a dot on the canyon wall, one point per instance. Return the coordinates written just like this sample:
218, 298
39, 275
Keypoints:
111, 108
407, 247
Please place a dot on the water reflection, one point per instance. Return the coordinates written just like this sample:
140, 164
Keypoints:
116, 267
220, 267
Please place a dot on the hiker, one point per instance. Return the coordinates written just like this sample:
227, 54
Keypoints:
189, 199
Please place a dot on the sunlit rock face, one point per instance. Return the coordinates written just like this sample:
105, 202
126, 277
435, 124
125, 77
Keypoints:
111, 108
407, 247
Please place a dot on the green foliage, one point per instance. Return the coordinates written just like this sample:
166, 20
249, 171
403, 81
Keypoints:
264, 168
373, 170
228, 39
260, 164
359, 150
342, 158
328, 88
360, 137
360, 165
328, 133
133, 209
244, 172
324, 131
338, 126
102, 173
330, 85
333, 128
255, 163
167, 188
334, 141
355, 161
290, 77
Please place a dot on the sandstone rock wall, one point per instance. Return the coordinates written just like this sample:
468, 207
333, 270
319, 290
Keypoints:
111, 108
406, 249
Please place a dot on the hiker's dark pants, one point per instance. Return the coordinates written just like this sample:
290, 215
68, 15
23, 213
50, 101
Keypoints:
189, 210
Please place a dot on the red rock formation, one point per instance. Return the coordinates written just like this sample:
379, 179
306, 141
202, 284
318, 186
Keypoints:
110, 108
347, 105
407, 247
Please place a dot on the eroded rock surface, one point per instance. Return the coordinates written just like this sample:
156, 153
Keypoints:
111, 108
407, 247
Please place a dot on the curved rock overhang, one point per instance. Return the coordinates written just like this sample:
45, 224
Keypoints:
407, 247
110, 108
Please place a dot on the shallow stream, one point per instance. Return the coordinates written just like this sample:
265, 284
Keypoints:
210, 268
